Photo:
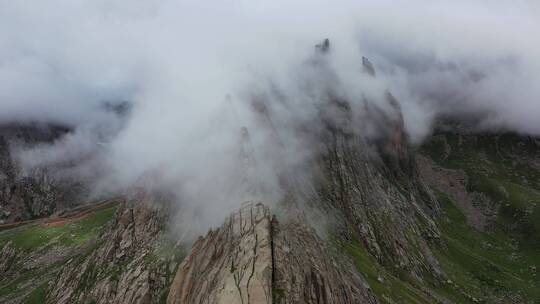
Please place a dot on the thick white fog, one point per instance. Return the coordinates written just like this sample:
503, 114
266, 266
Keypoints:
191, 71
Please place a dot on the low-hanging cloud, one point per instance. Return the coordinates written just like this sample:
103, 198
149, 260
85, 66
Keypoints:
195, 71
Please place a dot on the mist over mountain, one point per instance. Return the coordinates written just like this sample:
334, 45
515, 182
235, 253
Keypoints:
196, 74
272, 152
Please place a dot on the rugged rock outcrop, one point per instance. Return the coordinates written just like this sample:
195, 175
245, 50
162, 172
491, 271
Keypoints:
126, 264
25, 195
454, 183
131, 259
308, 269
232, 264
253, 258
391, 215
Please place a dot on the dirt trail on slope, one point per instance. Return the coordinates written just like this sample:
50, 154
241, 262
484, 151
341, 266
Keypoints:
66, 216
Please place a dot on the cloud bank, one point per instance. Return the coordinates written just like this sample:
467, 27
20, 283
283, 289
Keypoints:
199, 75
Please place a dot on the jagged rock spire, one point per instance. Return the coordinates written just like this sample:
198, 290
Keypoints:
324, 46
368, 66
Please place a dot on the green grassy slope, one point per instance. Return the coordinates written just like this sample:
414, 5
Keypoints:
35, 240
34, 236
494, 266
502, 260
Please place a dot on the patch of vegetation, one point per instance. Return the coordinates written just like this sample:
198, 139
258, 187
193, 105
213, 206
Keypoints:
387, 286
39, 238
88, 278
519, 212
114, 274
480, 264
502, 157
500, 168
12, 288
19, 286
502, 260
278, 295
35, 236
435, 149
38, 295
168, 250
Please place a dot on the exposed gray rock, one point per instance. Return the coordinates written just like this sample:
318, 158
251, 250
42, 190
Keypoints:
453, 182
389, 208
125, 265
368, 67
307, 270
253, 259
232, 264
26, 195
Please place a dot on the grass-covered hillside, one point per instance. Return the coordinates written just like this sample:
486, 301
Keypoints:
499, 261
488, 190
37, 250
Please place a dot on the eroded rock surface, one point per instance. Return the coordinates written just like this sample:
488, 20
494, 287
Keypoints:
125, 265
232, 264
254, 259
307, 270
119, 254
454, 183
